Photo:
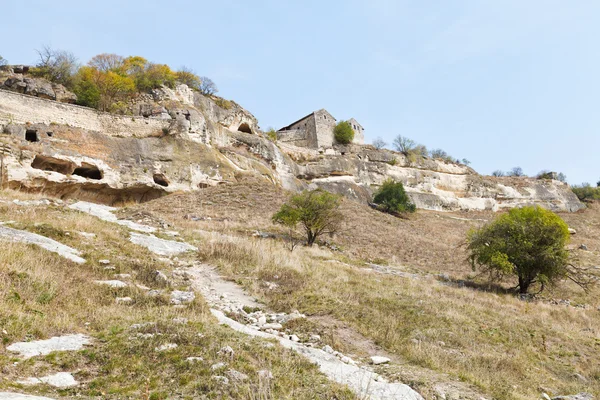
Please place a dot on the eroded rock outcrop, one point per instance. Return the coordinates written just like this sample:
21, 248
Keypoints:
179, 140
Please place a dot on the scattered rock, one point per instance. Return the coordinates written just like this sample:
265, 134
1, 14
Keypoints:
275, 326
236, 375
104, 262
160, 277
124, 300
221, 379
194, 359
572, 231
377, 360
44, 347
315, 338
217, 366
583, 247
20, 396
180, 321
59, 380
15, 235
180, 297
294, 338
166, 347
123, 276
227, 351
160, 246
113, 284
579, 396
265, 374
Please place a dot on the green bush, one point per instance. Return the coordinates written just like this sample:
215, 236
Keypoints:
527, 242
317, 212
272, 134
392, 198
343, 132
585, 192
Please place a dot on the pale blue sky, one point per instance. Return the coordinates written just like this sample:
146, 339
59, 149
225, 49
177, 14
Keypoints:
500, 82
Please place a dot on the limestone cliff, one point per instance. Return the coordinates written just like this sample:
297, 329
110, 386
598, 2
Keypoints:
179, 140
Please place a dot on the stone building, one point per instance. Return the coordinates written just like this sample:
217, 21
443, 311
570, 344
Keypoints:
315, 131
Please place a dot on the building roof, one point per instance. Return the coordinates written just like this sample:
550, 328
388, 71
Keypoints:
305, 117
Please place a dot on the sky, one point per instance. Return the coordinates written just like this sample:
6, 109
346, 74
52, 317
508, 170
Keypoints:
502, 83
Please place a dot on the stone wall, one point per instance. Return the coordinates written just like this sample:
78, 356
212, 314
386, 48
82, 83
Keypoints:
21, 109
295, 137
324, 124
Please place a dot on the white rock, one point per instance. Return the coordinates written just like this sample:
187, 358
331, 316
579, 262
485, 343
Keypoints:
112, 283
44, 347
221, 379
20, 396
360, 380
180, 321
15, 235
59, 380
166, 347
123, 276
265, 374
572, 231
124, 300
328, 349
275, 326
315, 338
236, 375
87, 235
105, 213
294, 338
227, 351
262, 320
217, 366
142, 325
160, 246
104, 262
194, 359
180, 297
377, 360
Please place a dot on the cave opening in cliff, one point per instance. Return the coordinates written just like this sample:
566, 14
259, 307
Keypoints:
31, 135
88, 171
245, 128
52, 164
161, 180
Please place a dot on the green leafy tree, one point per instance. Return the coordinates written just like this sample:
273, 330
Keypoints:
392, 197
86, 89
528, 243
316, 211
343, 132
189, 78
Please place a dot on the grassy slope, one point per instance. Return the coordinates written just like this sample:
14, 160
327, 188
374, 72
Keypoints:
508, 348
42, 295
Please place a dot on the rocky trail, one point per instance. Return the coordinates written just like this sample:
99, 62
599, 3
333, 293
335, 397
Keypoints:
225, 299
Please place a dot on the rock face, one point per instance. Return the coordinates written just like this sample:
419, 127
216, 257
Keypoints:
18, 81
179, 140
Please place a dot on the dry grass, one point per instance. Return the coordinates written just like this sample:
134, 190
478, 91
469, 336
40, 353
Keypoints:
509, 349
506, 347
43, 295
